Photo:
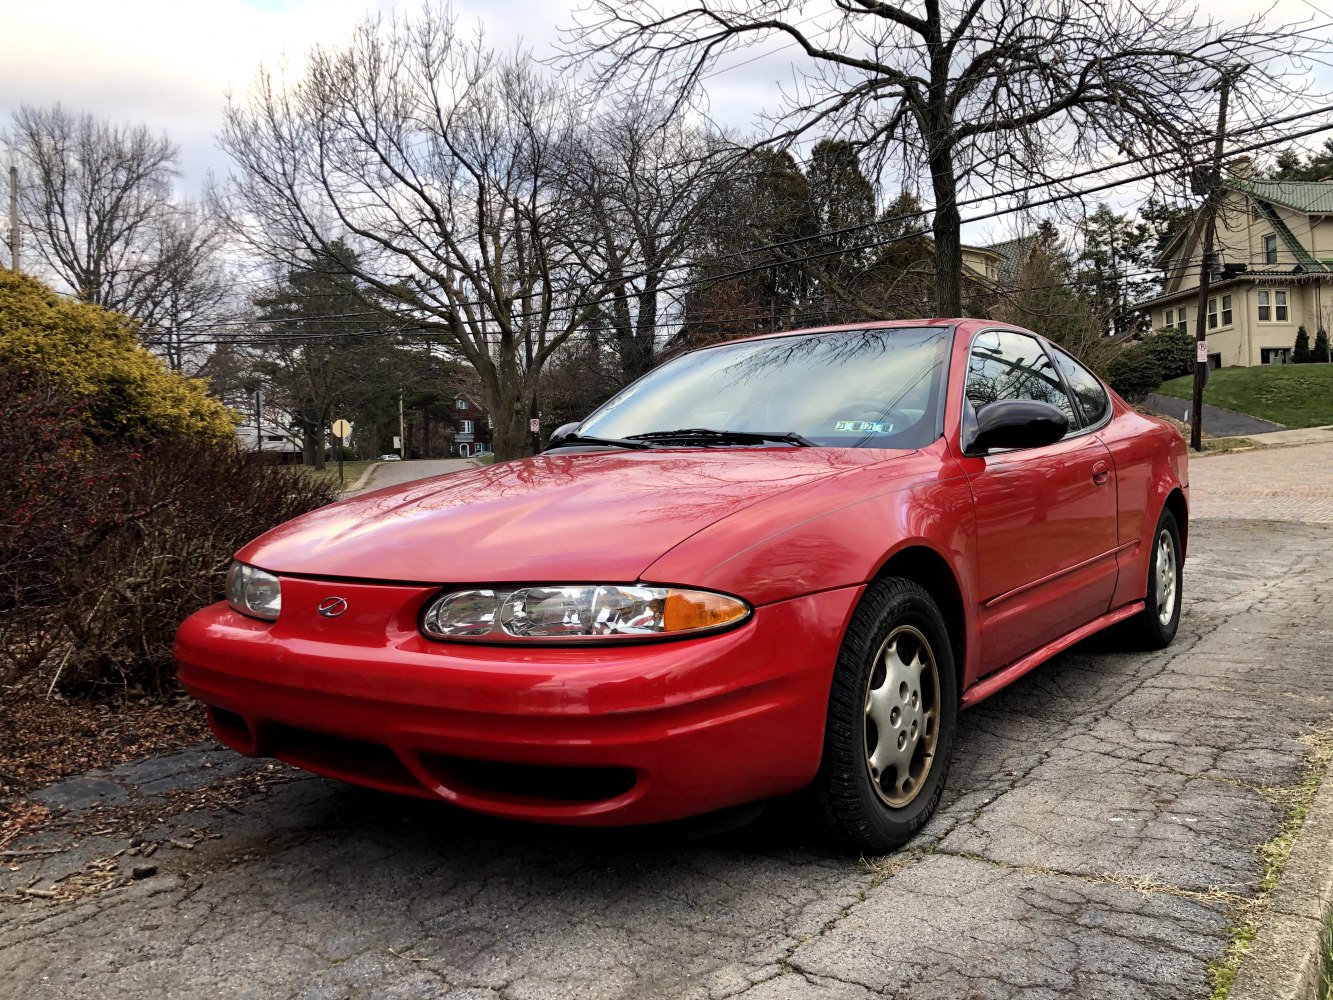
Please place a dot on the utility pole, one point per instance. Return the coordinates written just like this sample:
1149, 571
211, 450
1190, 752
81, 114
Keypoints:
402, 429
1212, 186
14, 218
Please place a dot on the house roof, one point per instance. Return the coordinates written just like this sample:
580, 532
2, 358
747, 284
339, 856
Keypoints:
1011, 257
1310, 197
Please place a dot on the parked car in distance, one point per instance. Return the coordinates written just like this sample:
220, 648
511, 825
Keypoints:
392, 456
771, 566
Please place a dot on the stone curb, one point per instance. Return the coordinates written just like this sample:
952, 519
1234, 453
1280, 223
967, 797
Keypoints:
362, 479
1284, 960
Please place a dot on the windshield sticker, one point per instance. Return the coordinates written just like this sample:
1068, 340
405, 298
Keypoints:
863, 426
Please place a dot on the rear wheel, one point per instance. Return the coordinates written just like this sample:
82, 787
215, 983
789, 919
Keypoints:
892, 715
1155, 626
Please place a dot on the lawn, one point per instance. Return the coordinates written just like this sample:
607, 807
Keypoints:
351, 471
1295, 395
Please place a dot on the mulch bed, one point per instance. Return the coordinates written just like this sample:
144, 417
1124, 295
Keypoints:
43, 740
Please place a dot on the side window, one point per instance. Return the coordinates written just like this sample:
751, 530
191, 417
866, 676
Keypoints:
1088, 392
1008, 365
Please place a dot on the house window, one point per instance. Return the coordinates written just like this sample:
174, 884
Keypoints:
1274, 355
1280, 306
460, 404
1181, 324
1273, 306
467, 427
1270, 249
1225, 311
1170, 319
1265, 307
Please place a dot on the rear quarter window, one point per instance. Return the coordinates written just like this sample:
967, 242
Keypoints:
1088, 391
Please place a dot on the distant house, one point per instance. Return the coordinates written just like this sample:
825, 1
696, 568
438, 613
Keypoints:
473, 436
277, 443
1273, 272
999, 265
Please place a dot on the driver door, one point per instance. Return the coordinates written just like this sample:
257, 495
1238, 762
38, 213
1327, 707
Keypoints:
1046, 517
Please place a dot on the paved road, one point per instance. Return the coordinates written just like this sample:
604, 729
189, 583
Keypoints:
1217, 422
1293, 484
393, 473
1097, 837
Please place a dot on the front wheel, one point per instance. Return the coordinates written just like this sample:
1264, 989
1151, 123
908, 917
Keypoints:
892, 714
1155, 626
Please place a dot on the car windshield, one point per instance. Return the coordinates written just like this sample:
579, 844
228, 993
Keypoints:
845, 388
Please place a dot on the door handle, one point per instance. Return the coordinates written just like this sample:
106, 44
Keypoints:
1101, 474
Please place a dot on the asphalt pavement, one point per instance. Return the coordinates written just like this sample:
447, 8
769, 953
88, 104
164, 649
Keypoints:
1097, 839
1217, 422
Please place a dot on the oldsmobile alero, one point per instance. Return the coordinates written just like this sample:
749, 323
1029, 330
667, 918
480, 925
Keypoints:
770, 566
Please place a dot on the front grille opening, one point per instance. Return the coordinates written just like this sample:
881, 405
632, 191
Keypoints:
532, 781
339, 757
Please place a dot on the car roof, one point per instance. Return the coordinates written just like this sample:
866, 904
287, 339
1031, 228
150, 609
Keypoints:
878, 324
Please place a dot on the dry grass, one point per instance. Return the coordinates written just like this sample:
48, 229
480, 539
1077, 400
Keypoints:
1273, 855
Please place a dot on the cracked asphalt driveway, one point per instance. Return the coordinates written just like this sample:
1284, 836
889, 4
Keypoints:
1097, 839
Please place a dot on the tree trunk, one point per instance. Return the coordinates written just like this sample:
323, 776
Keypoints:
948, 237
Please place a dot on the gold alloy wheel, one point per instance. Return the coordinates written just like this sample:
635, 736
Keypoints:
902, 716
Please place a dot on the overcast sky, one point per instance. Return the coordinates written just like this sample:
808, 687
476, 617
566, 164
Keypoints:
171, 63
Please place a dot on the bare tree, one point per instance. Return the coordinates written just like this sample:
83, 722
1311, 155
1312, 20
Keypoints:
978, 94
647, 180
191, 289
98, 201
441, 163
93, 196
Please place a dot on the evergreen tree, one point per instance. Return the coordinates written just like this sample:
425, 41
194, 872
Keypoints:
1111, 267
326, 342
1301, 354
1321, 349
1318, 166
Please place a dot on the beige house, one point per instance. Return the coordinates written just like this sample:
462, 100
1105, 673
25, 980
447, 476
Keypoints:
998, 265
1273, 271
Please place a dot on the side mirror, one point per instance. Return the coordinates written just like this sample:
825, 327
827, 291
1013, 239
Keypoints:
1016, 423
562, 434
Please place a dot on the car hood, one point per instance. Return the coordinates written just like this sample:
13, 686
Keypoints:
575, 516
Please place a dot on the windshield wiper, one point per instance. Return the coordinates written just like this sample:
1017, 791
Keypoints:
707, 435
571, 438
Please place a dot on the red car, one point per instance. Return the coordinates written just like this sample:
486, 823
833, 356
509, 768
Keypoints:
770, 566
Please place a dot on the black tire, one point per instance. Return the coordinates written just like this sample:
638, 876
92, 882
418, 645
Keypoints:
1149, 629
893, 618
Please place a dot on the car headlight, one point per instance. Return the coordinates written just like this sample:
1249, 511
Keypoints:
579, 612
251, 591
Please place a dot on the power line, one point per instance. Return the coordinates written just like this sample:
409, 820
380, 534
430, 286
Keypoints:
980, 199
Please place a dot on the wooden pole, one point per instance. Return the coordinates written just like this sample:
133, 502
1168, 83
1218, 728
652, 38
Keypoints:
1214, 197
14, 218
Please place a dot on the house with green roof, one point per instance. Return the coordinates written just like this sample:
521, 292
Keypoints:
1273, 271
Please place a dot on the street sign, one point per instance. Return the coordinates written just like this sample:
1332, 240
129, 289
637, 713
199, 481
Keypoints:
342, 429
534, 425
1201, 351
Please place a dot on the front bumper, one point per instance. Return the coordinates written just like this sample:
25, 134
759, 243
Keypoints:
593, 735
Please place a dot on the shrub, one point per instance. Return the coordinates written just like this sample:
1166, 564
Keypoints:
1320, 352
1134, 373
1300, 354
106, 549
1173, 353
95, 355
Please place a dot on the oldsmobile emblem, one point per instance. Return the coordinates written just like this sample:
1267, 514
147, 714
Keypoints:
332, 607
